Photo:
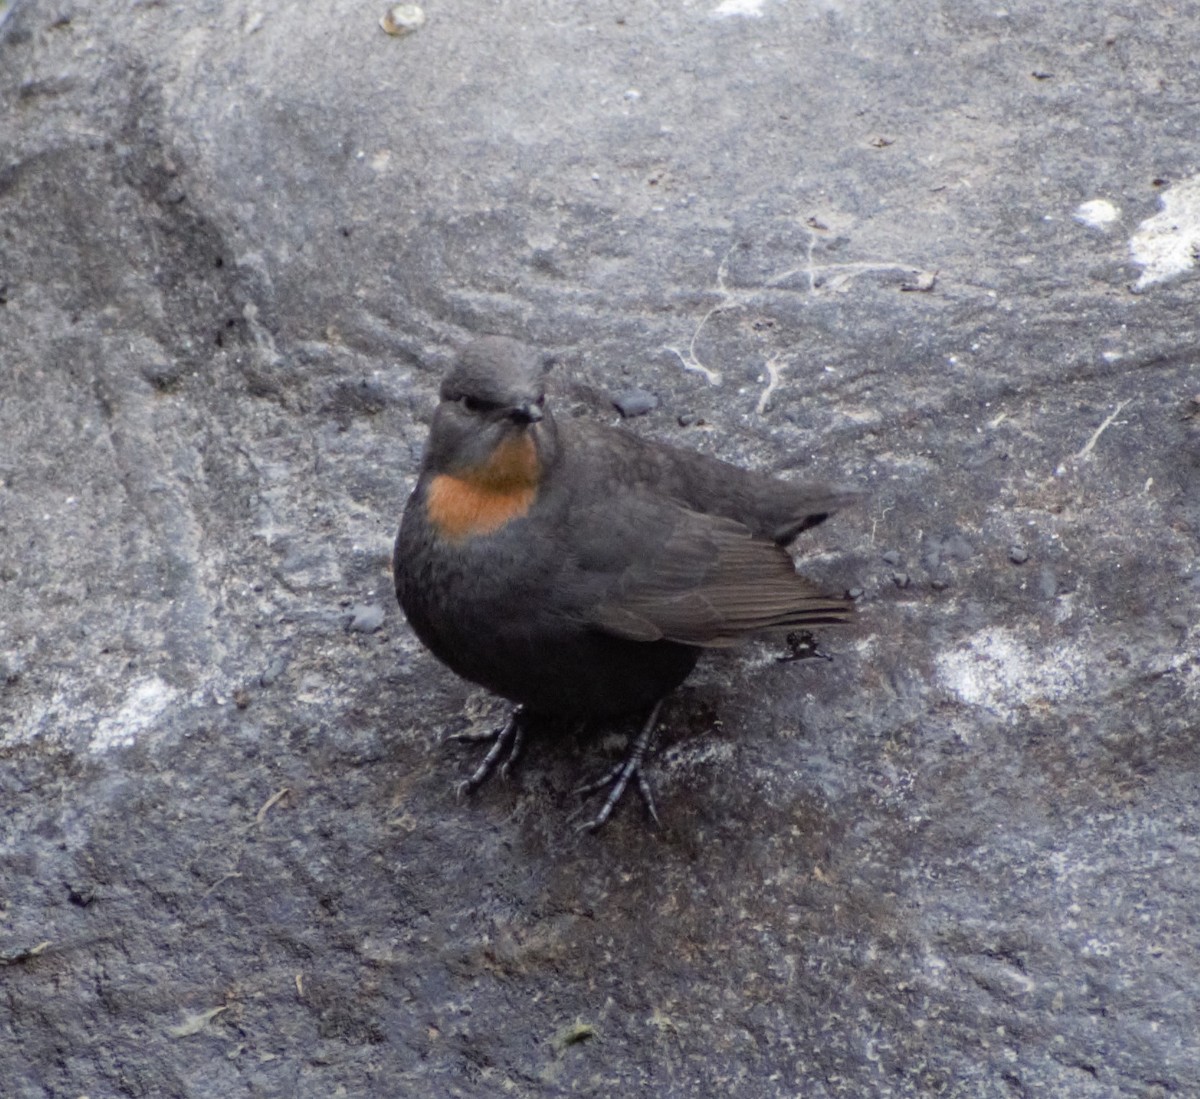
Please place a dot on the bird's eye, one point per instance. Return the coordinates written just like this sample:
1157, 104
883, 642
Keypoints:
477, 404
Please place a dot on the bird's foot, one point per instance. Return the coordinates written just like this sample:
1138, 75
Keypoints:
510, 738
618, 778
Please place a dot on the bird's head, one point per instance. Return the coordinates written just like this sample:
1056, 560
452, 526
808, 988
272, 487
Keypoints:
492, 416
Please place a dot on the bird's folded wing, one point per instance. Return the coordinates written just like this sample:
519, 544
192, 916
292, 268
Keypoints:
676, 574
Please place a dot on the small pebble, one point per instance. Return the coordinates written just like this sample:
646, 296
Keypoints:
922, 282
12, 664
901, 579
892, 558
687, 419
634, 402
1018, 555
81, 894
366, 617
273, 672
402, 19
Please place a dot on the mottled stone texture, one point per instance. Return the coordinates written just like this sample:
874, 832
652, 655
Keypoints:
238, 244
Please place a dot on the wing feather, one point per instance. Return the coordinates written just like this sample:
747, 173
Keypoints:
674, 573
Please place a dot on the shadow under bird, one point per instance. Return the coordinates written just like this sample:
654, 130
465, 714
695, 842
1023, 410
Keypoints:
579, 570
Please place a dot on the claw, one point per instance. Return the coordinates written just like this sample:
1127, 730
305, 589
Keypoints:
514, 752
510, 736
647, 796
620, 776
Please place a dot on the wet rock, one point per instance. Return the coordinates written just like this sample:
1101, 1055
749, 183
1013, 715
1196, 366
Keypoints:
959, 855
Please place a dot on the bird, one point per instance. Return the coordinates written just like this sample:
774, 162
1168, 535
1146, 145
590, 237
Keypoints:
579, 570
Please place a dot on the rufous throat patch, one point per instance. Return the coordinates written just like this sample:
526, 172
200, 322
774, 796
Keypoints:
482, 499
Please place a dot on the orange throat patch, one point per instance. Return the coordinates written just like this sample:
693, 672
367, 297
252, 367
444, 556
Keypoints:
484, 498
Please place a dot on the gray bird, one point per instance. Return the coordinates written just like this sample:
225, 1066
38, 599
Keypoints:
580, 571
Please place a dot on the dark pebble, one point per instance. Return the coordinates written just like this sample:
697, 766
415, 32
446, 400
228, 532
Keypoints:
634, 402
164, 376
81, 894
1018, 555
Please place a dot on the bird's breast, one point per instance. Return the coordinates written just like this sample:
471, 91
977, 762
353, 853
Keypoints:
481, 499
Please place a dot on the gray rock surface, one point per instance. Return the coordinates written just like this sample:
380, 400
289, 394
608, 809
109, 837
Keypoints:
885, 241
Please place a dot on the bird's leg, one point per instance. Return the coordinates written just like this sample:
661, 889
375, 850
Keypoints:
510, 736
619, 776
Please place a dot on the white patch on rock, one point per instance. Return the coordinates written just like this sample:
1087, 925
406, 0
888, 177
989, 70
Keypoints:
732, 9
1166, 244
1099, 213
143, 706
1188, 663
996, 670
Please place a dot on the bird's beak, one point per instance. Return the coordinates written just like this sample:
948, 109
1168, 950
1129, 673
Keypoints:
528, 413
